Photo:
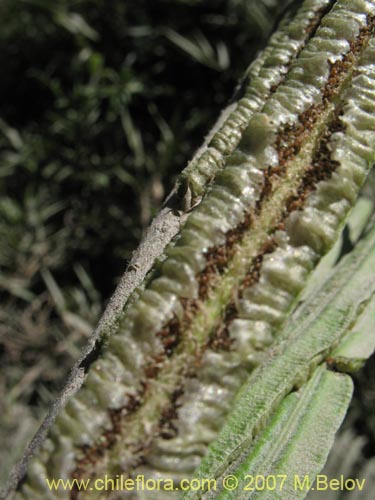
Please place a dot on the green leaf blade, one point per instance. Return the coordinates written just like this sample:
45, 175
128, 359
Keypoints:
294, 357
296, 443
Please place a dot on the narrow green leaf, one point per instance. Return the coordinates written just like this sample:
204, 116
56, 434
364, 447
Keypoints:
294, 446
306, 341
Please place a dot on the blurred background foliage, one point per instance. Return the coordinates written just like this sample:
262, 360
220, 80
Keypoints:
101, 105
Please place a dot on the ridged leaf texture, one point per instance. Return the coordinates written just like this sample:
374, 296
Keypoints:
266, 197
